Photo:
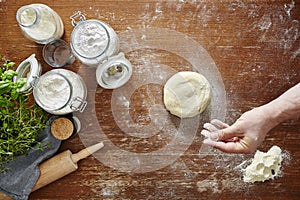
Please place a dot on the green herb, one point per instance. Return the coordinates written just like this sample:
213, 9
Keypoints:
20, 118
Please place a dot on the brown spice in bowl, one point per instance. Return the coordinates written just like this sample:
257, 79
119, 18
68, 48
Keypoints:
62, 128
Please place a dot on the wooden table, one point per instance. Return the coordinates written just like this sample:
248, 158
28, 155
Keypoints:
255, 48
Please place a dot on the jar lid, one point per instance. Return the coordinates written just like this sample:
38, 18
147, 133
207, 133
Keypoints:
27, 16
29, 69
52, 91
115, 72
90, 39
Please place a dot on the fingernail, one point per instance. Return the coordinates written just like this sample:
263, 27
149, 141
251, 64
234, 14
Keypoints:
206, 125
205, 133
213, 120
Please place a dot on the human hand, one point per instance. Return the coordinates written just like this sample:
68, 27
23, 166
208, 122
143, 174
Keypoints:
244, 136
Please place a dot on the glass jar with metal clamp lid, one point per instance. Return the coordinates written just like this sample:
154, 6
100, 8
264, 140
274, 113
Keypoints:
92, 41
58, 91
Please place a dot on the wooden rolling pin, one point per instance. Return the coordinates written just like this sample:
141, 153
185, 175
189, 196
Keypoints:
59, 166
62, 164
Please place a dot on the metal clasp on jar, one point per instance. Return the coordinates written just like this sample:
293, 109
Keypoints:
78, 15
78, 104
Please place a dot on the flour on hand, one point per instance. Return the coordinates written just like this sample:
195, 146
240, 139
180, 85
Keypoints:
264, 166
187, 94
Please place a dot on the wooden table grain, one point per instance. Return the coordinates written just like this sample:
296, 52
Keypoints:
255, 47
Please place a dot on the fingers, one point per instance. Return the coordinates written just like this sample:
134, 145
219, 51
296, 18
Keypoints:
230, 139
210, 127
205, 133
226, 134
213, 127
220, 145
219, 123
222, 136
227, 147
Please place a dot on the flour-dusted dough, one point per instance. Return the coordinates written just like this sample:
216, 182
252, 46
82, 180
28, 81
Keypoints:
264, 166
187, 94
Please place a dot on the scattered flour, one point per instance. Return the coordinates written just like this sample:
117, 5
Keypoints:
265, 22
289, 7
208, 185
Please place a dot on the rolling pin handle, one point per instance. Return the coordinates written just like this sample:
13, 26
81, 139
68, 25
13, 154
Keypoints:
86, 152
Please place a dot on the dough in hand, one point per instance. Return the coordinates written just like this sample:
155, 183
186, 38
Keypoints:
187, 94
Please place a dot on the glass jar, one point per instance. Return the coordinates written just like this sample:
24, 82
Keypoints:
92, 41
39, 23
60, 92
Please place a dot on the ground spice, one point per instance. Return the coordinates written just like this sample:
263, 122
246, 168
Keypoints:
62, 128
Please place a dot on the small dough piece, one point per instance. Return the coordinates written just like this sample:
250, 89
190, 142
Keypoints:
62, 128
187, 94
264, 166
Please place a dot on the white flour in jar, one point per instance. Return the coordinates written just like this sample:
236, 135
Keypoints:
60, 92
40, 23
93, 41
43, 30
54, 92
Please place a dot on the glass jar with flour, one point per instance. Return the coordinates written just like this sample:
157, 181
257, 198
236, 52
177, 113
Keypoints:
60, 92
92, 41
39, 23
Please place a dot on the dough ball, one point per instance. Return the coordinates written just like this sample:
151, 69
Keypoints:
187, 94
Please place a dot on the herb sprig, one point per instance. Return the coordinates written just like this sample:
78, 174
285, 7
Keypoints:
20, 119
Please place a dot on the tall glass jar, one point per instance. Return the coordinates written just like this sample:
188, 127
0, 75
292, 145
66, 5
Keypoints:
92, 41
39, 23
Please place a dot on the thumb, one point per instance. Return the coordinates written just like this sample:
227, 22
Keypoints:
225, 134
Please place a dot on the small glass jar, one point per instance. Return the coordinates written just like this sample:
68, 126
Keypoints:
92, 41
39, 23
60, 92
